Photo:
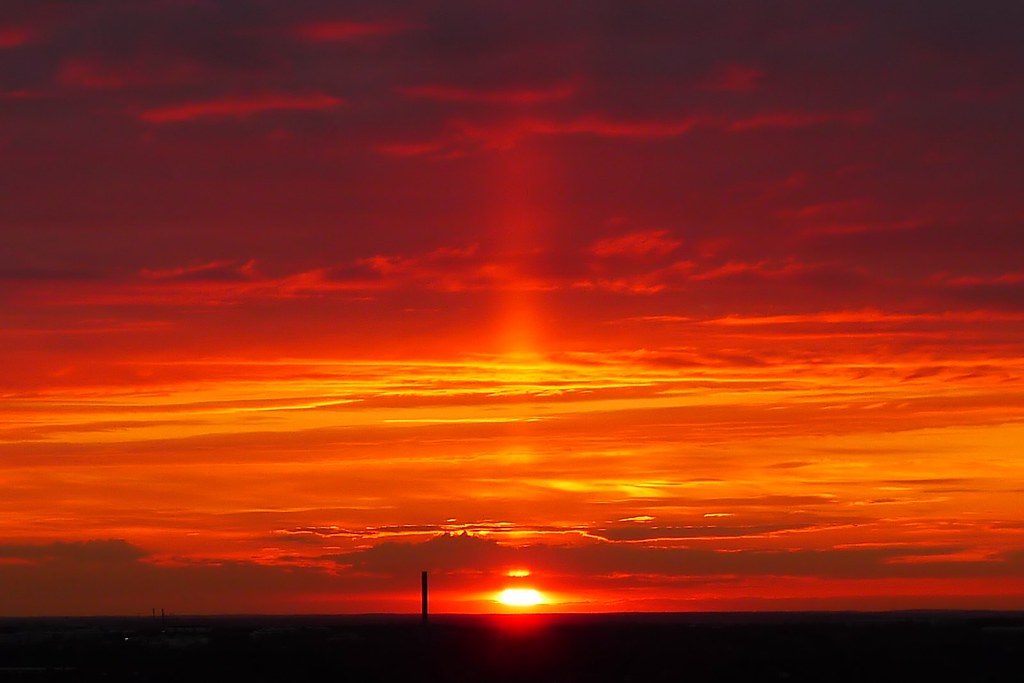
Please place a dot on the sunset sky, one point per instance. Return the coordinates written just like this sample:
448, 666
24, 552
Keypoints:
643, 305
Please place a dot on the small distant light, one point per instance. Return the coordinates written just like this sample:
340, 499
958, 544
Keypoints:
518, 573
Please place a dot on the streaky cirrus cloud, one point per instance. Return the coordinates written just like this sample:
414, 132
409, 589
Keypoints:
343, 30
450, 93
800, 119
641, 243
91, 551
96, 74
239, 107
465, 134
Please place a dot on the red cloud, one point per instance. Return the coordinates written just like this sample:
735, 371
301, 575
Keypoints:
84, 73
651, 282
450, 269
466, 135
412, 149
96, 75
236, 107
448, 93
800, 119
502, 137
733, 78
469, 135
228, 271
339, 31
15, 36
640, 243
761, 269
1015, 278
596, 125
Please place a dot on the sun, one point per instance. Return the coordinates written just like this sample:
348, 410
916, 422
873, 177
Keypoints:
520, 597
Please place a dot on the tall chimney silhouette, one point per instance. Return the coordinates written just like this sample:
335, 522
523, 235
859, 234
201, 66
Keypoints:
423, 594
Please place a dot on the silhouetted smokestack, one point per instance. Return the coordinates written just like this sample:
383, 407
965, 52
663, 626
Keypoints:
423, 594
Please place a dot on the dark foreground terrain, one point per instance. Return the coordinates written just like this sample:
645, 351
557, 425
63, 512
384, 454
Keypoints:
917, 646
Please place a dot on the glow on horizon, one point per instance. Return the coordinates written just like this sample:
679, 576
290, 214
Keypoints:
520, 597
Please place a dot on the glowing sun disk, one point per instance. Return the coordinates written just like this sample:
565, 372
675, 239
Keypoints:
520, 597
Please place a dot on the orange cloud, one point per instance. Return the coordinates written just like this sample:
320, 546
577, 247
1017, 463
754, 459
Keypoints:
867, 316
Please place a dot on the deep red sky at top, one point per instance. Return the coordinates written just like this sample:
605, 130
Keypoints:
677, 305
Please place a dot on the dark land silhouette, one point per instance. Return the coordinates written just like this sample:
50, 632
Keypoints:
905, 646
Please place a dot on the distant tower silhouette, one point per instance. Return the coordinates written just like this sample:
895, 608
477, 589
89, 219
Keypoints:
423, 594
